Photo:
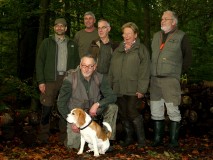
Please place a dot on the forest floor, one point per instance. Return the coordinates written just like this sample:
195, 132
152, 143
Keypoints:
191, 148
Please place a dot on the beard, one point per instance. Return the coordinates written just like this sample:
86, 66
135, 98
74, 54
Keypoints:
59, 33
166, 28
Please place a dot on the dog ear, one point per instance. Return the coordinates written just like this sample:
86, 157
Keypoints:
81, 117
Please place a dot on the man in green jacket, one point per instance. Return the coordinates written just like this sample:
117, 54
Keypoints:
89, 90
56, 55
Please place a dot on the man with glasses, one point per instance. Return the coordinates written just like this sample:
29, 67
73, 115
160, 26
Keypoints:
56, 55
103, 47
85, 36
171, 56
87, 96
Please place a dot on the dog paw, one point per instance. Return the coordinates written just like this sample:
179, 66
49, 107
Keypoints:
79, 153
90, 150
96, 155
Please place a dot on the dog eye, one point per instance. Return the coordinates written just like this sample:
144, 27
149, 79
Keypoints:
73, 113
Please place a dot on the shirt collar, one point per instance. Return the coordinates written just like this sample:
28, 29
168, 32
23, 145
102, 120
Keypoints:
57, 39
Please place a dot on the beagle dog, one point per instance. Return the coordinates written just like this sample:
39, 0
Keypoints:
91, 132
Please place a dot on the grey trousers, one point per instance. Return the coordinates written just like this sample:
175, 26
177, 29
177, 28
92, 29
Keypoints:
109, 114
165, 91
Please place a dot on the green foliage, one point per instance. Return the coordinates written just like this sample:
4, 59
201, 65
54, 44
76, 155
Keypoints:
195, 18
19, 90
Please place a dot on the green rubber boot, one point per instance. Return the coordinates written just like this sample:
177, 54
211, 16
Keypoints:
158, 133
174, 133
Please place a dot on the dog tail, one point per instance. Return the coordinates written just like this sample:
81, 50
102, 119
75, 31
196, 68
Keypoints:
109, 129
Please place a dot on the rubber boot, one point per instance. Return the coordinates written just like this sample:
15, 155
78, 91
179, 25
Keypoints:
158, 133
174, 133
129, 134
43, 136
139, 130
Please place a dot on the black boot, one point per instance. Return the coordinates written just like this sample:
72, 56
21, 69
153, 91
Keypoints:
43, 135
63, 130
139, 130
158, 133
129, 134
174, 133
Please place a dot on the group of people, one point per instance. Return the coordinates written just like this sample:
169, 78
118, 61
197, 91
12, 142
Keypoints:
107, 79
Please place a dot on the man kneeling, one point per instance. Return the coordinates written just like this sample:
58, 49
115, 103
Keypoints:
86, 88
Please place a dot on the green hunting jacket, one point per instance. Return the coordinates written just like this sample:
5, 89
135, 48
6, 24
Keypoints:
130, 70
46, 60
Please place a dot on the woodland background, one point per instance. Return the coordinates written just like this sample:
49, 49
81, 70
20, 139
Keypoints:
25, 23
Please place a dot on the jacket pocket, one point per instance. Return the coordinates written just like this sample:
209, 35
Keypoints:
168, 67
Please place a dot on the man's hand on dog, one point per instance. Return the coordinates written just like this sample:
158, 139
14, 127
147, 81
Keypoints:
93, 109
75, 128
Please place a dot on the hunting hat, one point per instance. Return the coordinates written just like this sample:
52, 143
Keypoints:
61, 21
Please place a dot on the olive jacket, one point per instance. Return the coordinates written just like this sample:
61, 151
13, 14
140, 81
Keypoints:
130, 70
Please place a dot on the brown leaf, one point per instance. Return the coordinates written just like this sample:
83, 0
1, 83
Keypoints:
195, 151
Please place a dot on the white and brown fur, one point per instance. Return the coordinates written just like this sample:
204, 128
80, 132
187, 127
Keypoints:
93, 134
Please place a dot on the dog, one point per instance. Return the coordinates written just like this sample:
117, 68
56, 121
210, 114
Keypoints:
91, 132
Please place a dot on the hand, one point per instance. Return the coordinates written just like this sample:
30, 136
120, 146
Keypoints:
75, 128
42, 87
139, 95
93, 109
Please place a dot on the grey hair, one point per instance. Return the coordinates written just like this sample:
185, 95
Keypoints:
174, 16
104, 20
89, 56
89, 13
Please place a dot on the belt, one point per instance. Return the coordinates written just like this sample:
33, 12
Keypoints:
61, 73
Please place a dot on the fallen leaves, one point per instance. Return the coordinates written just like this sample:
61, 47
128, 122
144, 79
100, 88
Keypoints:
191, 148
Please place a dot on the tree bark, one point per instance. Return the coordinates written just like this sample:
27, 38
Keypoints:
42, 33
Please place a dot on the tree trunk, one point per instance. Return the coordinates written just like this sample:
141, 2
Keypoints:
42, 33
146, 24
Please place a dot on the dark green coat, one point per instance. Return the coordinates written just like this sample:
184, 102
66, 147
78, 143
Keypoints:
46, 61
130, 71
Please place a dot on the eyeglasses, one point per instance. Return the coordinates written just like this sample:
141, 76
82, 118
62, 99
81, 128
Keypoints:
102, 28
89, 66
166, 19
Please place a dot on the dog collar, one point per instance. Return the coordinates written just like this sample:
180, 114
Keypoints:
86, 125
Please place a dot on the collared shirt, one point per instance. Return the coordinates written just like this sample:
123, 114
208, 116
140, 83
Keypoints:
62, 54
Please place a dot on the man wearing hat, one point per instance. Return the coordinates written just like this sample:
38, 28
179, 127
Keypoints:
56, 54
85, 36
